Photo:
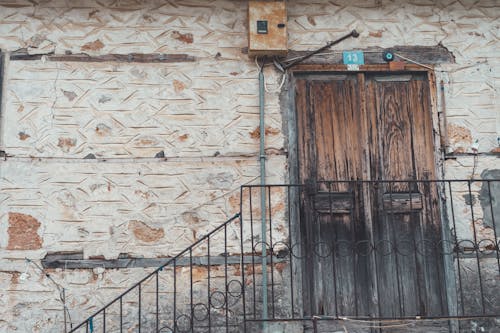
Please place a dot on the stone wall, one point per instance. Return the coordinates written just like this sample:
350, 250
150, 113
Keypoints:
80, 138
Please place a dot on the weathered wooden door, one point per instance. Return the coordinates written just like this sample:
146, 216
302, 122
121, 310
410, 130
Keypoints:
370, 221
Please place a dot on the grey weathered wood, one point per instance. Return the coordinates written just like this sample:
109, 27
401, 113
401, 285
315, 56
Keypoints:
335, 203
402, 202
70, 262
393, 138
131, 57
287, 101
437, 54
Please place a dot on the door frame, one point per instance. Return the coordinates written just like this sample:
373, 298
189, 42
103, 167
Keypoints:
290, 125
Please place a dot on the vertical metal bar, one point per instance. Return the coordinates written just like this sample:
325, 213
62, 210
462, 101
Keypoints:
253, 253
104, 320
86, 326
271, 252
490, 198
208, 286
242, 269
440, 260
157, 307
422, 229
411, 185
175, 296
225, 278
191, 288
355, 257
290, 245
263, 193
334, 253
476, 247
63, 290
457, 249
121, 314
394, 249
140, 293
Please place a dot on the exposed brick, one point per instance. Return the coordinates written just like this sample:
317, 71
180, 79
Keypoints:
93, 46
66, 144
144, 232
185, 38
460, 138
178, 86
23, 232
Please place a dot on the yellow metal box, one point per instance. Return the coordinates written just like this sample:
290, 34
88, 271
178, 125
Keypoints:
267, 28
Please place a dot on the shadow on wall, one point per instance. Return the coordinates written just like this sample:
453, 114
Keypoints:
490, 192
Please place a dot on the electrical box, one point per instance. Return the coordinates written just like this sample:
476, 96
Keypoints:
267, 28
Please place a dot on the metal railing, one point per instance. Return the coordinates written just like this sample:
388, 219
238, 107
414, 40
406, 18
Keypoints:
196, 290
374, 251
379, 251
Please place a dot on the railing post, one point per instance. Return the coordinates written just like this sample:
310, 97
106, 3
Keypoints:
242, 260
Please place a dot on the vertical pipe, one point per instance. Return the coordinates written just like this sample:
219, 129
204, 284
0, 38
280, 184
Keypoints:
444, 135
64, 305
121, 314
139, 308
157, 303
263, 193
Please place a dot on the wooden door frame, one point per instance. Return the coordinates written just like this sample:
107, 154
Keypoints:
290, 113
291, 128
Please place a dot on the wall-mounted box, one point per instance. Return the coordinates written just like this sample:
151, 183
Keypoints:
267, 28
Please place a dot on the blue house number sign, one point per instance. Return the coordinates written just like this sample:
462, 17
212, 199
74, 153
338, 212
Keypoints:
353, 57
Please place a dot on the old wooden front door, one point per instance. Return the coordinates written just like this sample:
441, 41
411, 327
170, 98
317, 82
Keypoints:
370, 230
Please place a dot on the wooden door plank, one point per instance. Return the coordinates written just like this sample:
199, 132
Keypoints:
306, 154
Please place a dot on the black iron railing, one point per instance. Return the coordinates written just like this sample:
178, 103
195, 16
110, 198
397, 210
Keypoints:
424, 252
377, 251
196, 290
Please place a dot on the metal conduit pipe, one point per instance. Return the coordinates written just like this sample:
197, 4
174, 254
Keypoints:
262, 156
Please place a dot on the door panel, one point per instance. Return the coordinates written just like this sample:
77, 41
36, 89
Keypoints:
327, 138
362, 233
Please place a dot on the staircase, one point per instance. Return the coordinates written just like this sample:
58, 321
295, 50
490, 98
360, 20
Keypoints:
216, 284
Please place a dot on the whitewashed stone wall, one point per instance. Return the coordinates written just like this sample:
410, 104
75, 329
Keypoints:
202, 114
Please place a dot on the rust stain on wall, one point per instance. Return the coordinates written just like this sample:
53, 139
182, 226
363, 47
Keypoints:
14, 278
185, 38
93, 46
23, 232
311, 20
255, 134
495, 150
66, 144
460, 137
23, 136
144, 232
102, 129
183, 137
376, 34
178, 86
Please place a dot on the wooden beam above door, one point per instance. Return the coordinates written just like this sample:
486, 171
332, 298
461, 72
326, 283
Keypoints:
434, 55
362, 68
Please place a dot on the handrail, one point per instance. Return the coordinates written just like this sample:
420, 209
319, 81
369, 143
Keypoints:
160, 268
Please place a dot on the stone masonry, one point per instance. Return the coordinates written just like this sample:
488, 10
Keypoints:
79, 171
